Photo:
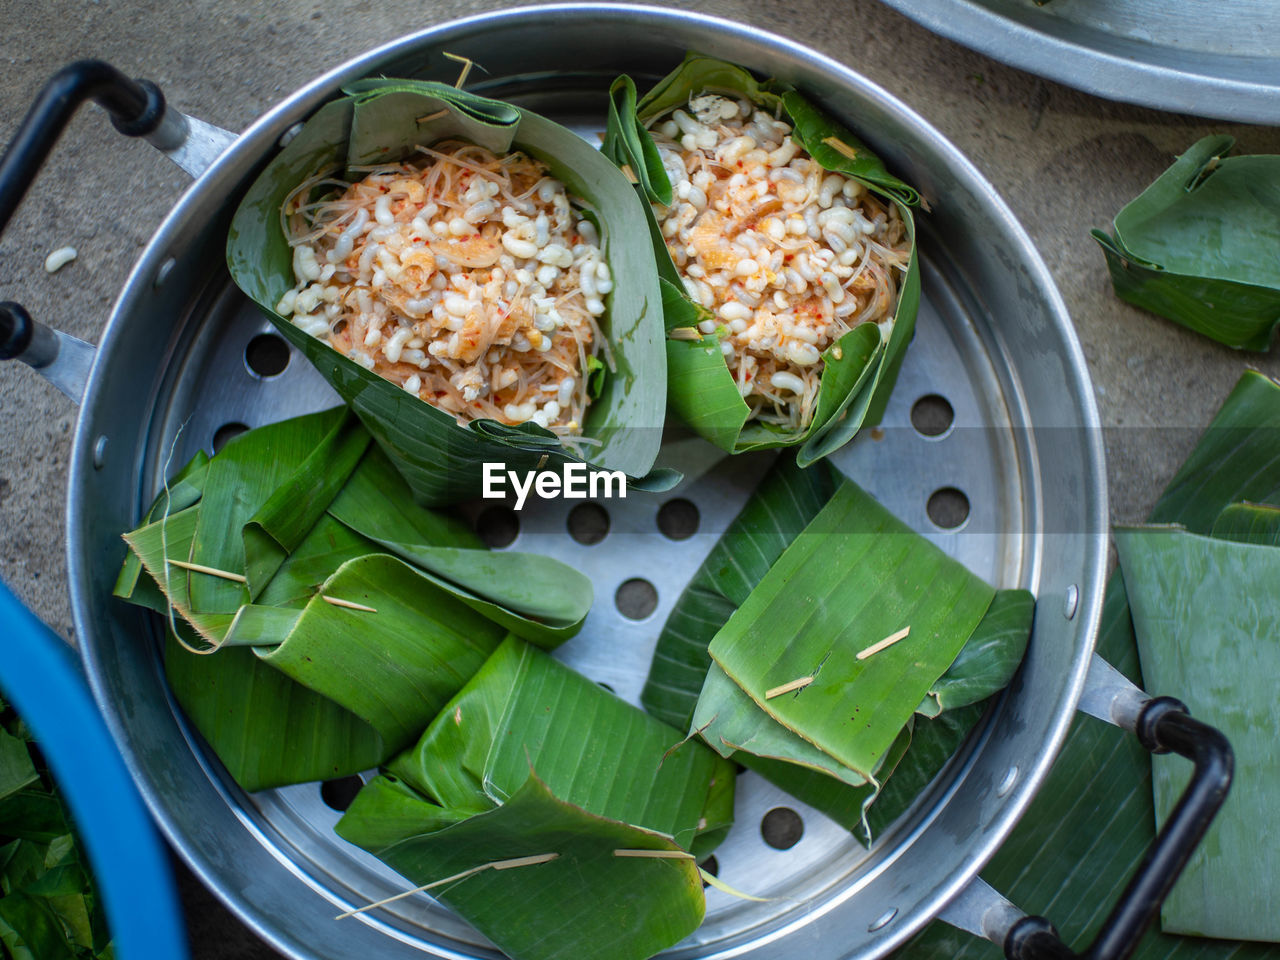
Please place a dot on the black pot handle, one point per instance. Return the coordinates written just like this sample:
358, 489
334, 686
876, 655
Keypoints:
1163, 725
137, 109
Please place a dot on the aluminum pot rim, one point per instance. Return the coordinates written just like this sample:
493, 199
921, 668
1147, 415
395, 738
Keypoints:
262, 135
1121, 74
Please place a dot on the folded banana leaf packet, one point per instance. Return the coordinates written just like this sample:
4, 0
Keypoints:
832, 649
550, 814
492, 300
317, 617
1201, 245
786, 253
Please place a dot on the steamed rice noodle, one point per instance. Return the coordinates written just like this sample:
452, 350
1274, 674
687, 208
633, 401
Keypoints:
468, 279
787, 256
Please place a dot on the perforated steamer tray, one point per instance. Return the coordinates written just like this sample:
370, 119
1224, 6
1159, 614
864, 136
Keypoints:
992, 339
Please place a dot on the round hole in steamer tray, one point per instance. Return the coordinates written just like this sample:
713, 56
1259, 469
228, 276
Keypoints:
933, 416
678, 519
267, 355
636, 598
588, 523
712, 866
338, 794
781, 828
226, 433
498, 527
948, 508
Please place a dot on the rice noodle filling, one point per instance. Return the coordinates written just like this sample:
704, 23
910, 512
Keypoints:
788, 256
467, 279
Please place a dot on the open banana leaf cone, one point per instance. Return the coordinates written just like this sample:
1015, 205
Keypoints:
381, 121
1201, 245
860, 368
1095, 818
598, 803
317, 617
760, 655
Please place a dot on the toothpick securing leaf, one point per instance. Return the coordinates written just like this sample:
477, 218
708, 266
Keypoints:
629, 173
349, 604
799, 684
495, 865
212, 571
684, 333
433, 116
888, 641
840, 147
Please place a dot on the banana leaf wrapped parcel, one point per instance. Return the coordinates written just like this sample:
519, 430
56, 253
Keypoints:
786, 252
833, 650
1201, 245
317, 617
472, 278
558, 819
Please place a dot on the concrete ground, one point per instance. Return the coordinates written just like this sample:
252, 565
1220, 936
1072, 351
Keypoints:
1064, 162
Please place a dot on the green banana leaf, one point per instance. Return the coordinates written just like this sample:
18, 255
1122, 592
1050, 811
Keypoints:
855, 576
380, 121
1201, 245
1093, 820
531, 758
523, 709
1249, 523
859, 369
1206, 618
785, 503
327, 690
561, 909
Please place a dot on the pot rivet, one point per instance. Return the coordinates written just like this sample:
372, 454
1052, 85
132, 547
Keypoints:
1072, 599
99, 452
163, 273
289, 134
1007, 782
882, 920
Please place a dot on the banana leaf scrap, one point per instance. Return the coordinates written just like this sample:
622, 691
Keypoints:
760, 653
381, 121
1208, 626
1201, 245
597, 803
859, 369
337, 615
49, 906
1094, 818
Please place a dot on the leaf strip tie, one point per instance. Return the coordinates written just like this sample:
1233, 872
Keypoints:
349, 604
212, 571
467, 64
888, 641
713, 881
839, 146
655, 854
496, 865
799, 684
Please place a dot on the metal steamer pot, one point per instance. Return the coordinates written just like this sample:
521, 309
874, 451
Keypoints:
179, 363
